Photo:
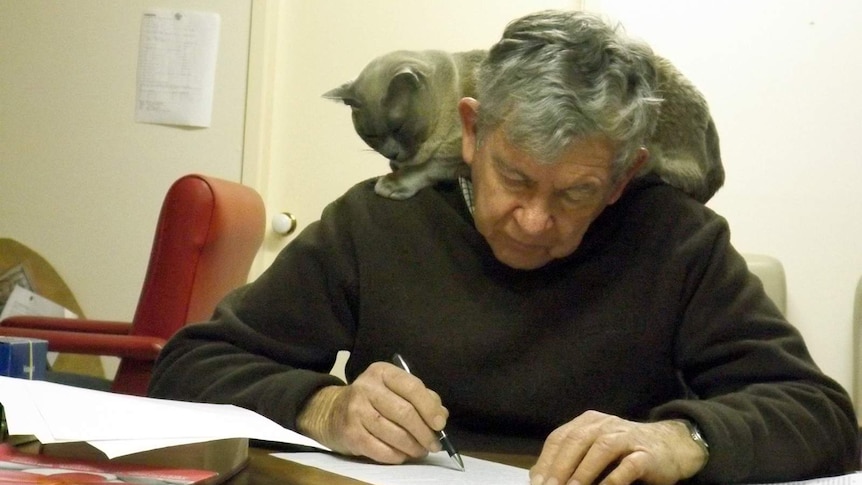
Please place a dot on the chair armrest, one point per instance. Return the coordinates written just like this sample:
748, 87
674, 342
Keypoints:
129, 346
67, 324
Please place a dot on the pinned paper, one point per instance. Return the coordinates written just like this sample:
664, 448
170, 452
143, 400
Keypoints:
176, 67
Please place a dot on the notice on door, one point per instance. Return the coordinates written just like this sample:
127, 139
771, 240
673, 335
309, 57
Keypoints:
176, 67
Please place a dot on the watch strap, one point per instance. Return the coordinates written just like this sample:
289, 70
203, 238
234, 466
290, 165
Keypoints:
698, 438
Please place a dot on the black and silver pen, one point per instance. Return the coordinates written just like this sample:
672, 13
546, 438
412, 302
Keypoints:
441, 435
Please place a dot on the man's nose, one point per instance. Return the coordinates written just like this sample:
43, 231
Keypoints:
534, 216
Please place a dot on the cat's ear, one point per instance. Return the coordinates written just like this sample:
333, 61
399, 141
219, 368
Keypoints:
343, 93
401, 94
405, 80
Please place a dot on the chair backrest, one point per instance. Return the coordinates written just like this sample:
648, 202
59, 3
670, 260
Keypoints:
208, 234
857, 358
771, 274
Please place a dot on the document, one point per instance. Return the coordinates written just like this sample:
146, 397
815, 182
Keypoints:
435, 468
176, 67
12, 278
22, 301
118, 424
438, 468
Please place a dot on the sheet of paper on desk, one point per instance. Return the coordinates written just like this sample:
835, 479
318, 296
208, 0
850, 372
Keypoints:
118, 424
436, 468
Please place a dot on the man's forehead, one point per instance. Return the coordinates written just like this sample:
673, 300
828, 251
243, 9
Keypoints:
589, 152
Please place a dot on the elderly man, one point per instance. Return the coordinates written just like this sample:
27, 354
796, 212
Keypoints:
553, 303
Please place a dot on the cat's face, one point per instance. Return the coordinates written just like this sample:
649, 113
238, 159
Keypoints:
387, 110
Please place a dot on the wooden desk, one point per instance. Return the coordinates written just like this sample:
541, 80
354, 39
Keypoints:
263, 469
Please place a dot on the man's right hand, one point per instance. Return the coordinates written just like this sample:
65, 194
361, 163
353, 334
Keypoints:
386, 414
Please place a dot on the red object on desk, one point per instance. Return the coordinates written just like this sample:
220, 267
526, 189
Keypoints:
17, 468
208, 233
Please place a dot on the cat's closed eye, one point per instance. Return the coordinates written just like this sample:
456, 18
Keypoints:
372, 139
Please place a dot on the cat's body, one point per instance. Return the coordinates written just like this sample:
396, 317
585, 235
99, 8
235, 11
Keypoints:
684, 148
404, 106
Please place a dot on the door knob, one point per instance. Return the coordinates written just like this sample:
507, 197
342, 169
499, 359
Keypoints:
284, 223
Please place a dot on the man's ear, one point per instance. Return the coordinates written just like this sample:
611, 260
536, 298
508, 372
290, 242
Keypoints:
641, 157
468, 108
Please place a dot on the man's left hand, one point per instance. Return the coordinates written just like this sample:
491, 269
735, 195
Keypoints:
597, 447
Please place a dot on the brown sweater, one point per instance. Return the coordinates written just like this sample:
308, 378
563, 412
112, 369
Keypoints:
655, 316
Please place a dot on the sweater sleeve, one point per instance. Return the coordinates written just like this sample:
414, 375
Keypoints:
271, 343
762, 404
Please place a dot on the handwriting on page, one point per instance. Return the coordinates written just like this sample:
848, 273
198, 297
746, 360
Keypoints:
176, 67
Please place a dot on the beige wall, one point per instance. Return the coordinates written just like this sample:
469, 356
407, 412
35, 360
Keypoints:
80, 182
782, 78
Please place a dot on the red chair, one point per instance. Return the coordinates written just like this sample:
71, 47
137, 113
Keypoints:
208, 233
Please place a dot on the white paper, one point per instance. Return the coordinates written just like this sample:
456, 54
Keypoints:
435, 468
119, 424
24, 302
22, 418
438, 468
176, 67
14, 276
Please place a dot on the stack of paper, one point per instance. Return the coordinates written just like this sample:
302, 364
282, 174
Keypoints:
118, 424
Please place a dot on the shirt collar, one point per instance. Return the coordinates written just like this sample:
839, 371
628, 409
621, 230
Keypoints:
467, 191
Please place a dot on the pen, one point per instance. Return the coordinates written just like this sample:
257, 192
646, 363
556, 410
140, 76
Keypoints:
441, 435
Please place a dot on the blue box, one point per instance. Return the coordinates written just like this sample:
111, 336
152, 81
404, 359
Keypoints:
26, 358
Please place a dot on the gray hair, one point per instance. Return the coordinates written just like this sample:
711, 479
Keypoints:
557, 76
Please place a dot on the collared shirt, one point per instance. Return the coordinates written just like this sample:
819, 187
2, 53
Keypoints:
467, 190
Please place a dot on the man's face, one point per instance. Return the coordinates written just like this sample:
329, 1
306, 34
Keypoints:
533, 213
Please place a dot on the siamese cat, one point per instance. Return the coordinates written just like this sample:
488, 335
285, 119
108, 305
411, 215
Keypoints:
404, 106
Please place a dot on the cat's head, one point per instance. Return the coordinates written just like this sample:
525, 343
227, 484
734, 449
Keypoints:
390, 105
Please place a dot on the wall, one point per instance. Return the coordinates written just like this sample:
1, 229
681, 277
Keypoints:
782, 78
82, 183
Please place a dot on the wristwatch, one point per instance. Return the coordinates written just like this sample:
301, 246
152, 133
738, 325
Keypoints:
697, 437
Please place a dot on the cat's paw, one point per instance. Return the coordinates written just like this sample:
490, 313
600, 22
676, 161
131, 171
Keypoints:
393, 188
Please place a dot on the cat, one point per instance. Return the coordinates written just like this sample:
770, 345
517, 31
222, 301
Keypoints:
404, 106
